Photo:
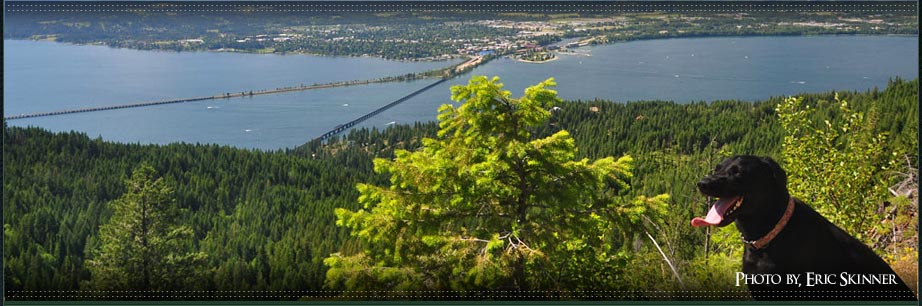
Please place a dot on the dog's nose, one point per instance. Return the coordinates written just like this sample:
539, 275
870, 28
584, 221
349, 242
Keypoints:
705, 183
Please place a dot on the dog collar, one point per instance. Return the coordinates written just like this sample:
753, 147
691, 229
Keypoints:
762, 242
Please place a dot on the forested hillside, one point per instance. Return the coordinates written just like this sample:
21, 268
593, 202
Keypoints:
265, 220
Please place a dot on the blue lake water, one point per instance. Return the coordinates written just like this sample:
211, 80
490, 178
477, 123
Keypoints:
697, 69
42, 76
46, 76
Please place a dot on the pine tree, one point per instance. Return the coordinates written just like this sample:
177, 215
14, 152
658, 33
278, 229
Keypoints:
141, 247
487, 207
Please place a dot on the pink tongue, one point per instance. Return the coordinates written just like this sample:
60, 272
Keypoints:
716, 214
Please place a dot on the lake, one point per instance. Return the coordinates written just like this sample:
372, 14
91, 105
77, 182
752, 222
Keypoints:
44, 76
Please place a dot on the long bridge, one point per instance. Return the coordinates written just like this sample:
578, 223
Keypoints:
446, 73
345, 126
194, 99
450, 72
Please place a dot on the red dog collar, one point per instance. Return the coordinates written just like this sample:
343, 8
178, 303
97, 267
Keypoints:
762, 242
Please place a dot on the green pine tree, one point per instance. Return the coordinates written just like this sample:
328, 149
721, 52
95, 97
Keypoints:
487, 207
141, 247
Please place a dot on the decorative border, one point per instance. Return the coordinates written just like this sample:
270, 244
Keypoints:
430, 6
463, 6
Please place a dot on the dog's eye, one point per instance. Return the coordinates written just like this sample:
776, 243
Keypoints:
734, 171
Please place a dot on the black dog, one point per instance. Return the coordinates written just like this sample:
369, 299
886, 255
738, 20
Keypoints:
784, 236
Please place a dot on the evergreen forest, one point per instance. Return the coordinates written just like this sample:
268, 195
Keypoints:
589, 195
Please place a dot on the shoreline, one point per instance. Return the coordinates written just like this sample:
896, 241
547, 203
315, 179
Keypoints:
430, 59
238, 51
538, 62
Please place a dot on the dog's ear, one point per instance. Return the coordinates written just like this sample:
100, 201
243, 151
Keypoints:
777, 172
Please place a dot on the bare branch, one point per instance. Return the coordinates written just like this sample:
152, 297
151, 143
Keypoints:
669, 262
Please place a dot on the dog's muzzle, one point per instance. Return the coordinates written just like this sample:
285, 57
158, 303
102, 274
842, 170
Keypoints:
714, 186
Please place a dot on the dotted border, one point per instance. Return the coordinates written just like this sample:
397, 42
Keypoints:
432, 294
445, 296
469, 7
452, 10
442, 291
455, 296
400, 4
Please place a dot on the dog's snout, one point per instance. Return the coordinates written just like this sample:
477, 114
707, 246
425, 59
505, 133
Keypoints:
708, 184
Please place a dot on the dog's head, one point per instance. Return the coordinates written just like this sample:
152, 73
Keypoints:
744, 186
